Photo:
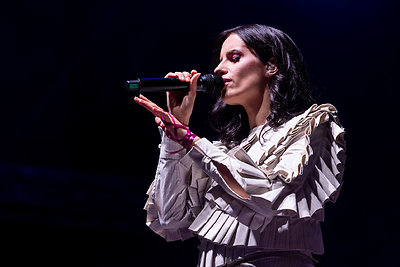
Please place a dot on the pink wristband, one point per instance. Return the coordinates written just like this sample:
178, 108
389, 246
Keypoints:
186, 141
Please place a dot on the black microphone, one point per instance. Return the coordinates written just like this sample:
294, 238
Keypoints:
208, 83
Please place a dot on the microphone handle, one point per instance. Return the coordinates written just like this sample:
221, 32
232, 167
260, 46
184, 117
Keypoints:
163, 85
157, 85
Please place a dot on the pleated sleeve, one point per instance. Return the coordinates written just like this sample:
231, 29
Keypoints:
168, 212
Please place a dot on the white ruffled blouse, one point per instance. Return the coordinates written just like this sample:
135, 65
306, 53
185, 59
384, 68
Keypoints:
289, 172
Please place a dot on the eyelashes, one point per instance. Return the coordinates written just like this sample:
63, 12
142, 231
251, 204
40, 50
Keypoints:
235, 57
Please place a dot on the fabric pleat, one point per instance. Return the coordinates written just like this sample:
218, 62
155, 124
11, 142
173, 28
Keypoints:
294, 169
227, 221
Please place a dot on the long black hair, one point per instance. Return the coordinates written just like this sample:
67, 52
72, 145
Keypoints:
290, 91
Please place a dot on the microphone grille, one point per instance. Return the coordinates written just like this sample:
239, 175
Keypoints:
211, 83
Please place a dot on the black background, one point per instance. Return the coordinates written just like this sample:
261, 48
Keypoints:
77, 154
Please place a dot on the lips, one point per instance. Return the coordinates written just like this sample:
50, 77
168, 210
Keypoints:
226, 82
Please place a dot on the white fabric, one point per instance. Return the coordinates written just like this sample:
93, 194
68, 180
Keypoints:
289, 172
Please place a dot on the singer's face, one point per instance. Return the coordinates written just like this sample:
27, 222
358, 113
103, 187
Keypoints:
243, 72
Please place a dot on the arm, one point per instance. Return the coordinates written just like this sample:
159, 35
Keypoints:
168, 212
168, 205
170, 187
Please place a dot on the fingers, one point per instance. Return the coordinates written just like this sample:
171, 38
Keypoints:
145, 99
193, 83
161, 115
150, 106
171, 75
159, 122
183, 76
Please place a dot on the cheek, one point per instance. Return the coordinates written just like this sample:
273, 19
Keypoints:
252, 80
243, 75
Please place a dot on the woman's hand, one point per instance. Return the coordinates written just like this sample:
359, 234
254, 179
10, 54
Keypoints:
181, 103
169, 123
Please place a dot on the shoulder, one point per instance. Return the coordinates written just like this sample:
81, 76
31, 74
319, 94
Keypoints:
303, 160
313, 135
322, 117
317, 127
311, 118
300, 125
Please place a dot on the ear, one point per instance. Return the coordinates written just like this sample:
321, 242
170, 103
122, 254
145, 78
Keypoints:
271, 67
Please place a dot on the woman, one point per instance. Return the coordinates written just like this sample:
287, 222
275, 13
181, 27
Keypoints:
254, 198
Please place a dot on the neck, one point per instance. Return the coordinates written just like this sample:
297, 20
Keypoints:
259, 110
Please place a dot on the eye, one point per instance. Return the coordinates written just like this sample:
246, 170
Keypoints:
235, 57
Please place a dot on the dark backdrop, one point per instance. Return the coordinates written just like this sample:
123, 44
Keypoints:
77, 154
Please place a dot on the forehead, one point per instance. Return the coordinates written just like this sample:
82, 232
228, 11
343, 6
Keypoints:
231, 43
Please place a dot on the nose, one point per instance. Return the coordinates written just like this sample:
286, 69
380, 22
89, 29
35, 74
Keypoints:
220, 70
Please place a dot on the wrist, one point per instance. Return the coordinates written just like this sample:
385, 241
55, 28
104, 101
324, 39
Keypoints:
184, 122
179, 133
181, 119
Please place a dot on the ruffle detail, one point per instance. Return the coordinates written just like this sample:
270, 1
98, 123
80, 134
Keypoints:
290, 174
233, 224
305, 123
321, 181
295, 190
292, 194
221, 227
294, 185
153, 222
200, 183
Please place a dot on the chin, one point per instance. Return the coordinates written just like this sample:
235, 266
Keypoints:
230, 101
232, 97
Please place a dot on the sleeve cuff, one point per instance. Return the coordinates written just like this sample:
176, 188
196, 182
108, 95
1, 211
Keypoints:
205, 147
167, 146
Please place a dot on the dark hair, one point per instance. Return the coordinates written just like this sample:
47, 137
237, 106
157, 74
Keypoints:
290, 90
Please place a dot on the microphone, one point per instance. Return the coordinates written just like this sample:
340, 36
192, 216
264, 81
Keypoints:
208, 83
